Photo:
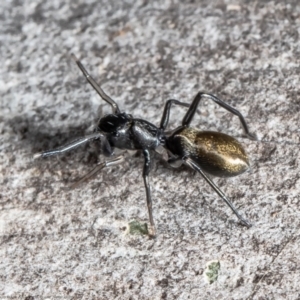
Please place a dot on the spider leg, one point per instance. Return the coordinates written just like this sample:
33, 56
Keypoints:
193, 107
69, 146
108, 163
175, 162
195, 167
96, 86
166, 114
146, 171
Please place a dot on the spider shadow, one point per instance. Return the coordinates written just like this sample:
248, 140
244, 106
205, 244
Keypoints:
35, 138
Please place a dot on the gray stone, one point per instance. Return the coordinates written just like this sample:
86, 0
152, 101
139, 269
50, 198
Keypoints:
58, 242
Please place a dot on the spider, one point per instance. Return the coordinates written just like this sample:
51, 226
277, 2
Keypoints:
209, 152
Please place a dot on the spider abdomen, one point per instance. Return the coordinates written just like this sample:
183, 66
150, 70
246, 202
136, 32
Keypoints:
216, 153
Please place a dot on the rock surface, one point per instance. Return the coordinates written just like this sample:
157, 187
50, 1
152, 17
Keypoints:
61, 243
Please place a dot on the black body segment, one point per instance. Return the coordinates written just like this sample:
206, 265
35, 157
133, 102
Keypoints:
112, 123
135, 134
146, 135
209, 152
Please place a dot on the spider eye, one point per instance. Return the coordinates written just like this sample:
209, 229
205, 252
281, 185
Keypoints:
111, 123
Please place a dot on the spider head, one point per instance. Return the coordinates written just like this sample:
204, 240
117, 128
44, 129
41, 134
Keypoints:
113, 123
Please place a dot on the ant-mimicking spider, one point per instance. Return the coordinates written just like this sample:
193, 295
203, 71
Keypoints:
204, 151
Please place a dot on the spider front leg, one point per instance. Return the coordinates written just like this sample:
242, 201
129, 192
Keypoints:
96, 86
69, 146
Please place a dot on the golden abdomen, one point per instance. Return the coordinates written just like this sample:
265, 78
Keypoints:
216, 153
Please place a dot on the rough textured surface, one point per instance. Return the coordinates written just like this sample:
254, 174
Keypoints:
62, 243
